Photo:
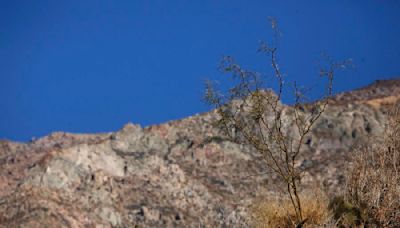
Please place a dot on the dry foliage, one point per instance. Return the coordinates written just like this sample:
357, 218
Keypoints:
252, 114
374, 180
279, 212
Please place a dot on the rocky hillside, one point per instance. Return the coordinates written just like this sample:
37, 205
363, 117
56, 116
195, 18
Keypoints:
182, 173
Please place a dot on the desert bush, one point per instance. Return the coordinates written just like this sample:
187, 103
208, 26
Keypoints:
374, 179
279, 212
250, 113
345, 213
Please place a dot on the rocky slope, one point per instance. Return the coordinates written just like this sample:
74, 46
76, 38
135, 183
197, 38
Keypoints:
182, 173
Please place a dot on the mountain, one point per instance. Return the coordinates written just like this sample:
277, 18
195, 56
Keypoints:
183, 173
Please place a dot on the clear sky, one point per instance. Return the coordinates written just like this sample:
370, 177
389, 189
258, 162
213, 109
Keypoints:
94, 65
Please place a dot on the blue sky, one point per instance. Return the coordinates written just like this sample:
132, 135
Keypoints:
92, 66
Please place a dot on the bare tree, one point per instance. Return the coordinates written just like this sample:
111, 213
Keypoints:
252, 114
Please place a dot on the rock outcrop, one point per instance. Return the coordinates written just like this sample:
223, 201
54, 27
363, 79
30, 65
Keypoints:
183, 173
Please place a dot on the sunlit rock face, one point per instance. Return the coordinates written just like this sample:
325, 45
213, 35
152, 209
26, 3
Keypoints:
183, 173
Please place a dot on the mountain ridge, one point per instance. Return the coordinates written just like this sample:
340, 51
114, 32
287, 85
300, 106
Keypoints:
182, 173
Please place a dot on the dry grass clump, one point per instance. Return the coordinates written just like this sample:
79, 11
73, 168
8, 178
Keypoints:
279, 212
374, 180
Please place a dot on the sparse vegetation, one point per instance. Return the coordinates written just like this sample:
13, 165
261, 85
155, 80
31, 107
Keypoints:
250, 113
278, 212
374, 179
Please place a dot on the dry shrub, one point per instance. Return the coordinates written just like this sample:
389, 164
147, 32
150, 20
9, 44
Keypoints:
250, 113
345, 213
374, 180
279, 212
